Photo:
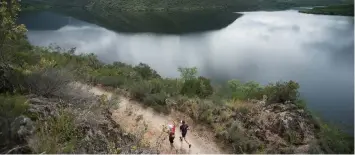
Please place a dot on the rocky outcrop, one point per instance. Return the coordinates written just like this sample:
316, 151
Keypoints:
16, 132
256, 126
98, 133
42, 107
22, 127
283, 127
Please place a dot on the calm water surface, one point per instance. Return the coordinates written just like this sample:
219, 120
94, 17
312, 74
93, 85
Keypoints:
315, 50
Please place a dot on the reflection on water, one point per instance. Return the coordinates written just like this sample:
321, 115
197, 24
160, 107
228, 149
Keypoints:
137, 22
314, 50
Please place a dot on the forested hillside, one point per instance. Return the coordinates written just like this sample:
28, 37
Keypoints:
157, 22
344, 10
165, 5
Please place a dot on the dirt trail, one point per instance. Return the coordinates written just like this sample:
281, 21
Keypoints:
132, 117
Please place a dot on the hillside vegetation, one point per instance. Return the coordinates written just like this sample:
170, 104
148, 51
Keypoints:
110, 6
156, 22
25, 6
43, 112
343, 10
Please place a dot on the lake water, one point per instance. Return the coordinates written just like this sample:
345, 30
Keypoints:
315, 50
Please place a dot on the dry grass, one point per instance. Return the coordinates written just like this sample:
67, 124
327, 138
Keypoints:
237, 104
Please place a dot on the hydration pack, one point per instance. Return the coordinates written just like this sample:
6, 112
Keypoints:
171, 129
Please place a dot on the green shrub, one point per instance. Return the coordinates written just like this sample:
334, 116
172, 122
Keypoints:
200, 87
244, 91
314, 148
157, 102
12, 80
206, 116
57, 135
202, 111
240, 140
11, 107
223, 91
112, 81
155, 99
333, 140
217, 100
301, 104
156, 86
193, 86
205, 88
146, 72
48, 83
170, 87
119, 64
253, 90
292, 137
190, 87
280, 92
138, 89
188, 73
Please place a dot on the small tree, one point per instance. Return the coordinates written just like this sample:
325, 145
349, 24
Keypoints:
200, 86
12, 40
205, 88
237, 89
12, 35
188, 73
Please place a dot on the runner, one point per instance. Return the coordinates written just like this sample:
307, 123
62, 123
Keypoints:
171, 131
183, 129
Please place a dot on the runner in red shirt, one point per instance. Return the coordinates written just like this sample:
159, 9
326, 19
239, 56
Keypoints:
171, 131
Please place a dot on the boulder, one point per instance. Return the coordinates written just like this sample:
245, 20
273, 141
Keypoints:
22, 127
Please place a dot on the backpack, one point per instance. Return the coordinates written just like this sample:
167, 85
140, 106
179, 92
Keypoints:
171, 129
